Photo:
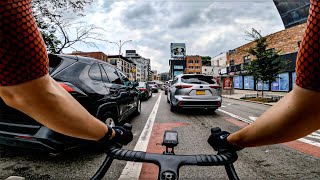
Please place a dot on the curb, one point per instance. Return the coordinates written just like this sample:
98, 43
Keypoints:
247, 101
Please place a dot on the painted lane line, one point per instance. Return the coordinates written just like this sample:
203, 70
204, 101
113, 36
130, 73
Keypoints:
253, 118
316, 134
237, 117
223, 106
309, 142
249, 122
314, 137
132, 169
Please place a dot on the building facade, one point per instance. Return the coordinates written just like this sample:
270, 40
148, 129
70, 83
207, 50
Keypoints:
96, 55
219, 62
207, 70
286, 41
143, 71
124, 64
293, 12
193, 65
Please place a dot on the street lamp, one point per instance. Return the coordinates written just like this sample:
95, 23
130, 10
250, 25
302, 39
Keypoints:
120, 44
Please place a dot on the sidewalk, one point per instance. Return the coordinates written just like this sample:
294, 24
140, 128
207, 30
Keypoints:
241, 93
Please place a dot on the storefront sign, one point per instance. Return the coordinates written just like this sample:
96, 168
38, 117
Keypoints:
226, 83
223, 71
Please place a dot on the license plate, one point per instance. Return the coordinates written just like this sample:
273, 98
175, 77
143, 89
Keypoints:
200, 92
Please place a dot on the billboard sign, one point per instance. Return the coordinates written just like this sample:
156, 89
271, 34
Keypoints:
227, 83
178, 50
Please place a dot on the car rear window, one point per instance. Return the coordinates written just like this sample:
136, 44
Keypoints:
54, 62
197, 80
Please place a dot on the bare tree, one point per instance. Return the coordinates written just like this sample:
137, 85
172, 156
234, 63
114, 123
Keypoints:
60, 32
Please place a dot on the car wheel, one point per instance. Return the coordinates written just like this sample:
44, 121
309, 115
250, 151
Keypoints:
172, 108
138, 109
109, 119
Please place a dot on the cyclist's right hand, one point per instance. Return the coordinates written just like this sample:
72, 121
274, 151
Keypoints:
218, 140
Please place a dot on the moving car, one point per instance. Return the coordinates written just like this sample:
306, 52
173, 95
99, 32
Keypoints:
154, 88
194, 91
102, 89
145, 90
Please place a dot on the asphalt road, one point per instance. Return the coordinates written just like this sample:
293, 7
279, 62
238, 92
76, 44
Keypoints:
270, 162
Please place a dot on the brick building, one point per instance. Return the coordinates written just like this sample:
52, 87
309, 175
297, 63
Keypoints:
193, 65
96, 55
286, 41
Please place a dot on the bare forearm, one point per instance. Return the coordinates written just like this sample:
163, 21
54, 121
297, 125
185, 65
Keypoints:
293, 117
48, 103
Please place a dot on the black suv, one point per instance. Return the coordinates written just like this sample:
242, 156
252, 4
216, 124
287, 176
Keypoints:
102, 89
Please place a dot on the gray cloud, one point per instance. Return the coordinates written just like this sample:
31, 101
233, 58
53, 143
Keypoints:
207, 27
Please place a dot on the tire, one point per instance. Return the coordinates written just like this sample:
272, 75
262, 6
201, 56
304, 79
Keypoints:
138, 109
172, 108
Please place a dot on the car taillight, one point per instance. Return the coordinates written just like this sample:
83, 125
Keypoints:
142, 89
219, 104
215, 87
183, 86
25, 137
67, 88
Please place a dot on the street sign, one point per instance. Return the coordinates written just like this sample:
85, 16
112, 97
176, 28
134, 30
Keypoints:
227, 83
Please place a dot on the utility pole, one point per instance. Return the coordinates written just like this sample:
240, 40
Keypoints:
120, 44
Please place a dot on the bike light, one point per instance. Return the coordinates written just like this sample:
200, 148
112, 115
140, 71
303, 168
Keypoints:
66, 87
142, 89
183, 86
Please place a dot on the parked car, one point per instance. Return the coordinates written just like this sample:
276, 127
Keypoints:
194, 91
145, 90
102, 89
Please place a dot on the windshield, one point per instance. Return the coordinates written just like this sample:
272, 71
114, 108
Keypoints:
142, 84
197, 80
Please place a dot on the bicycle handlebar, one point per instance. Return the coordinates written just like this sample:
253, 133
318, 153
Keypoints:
199, 160
169, 164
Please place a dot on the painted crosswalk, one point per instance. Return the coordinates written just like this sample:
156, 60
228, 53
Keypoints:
313, 139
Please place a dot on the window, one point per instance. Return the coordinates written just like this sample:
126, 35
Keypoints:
190, 67
197, 61
95, 73
205, 69
112, 74
246, 59
196, 79
231, 62
104, 75
190, 61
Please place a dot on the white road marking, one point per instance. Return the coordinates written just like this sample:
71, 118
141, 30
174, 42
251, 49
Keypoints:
223, 106
237, 117
253, 118
229, 104
309, 142
132, 169
313, 135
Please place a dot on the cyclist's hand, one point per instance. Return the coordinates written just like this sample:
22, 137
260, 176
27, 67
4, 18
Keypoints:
122, 137
218, 140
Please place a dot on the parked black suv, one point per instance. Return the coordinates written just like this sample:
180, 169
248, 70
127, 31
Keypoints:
102, 89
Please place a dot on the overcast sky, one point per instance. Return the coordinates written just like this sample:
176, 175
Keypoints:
207, 27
